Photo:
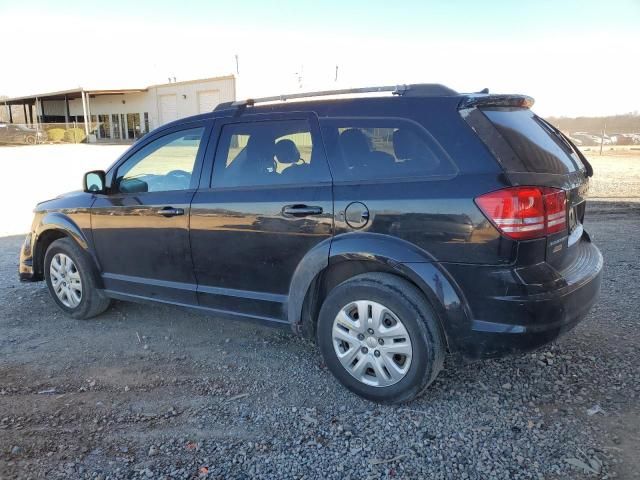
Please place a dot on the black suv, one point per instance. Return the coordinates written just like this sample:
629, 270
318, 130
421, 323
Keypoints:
391, 229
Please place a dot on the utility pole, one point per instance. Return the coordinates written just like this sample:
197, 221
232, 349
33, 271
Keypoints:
237, 65
336, 78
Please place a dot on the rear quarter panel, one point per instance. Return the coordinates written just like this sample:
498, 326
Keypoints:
436, 214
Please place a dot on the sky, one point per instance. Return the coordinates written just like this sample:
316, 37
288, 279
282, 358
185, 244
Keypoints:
574, 57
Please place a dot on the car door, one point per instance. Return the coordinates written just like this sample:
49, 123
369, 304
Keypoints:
268, 203
141, 227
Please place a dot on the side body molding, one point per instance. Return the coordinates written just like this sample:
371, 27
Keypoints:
391, 254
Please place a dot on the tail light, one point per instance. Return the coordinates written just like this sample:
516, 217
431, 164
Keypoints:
524, 213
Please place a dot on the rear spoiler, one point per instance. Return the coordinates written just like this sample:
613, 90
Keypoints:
495, 100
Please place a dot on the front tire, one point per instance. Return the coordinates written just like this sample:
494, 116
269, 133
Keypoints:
380, 338
71, 278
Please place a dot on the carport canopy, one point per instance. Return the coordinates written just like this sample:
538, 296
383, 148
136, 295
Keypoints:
30, 101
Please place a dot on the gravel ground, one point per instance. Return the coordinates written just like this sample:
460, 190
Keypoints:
154, 392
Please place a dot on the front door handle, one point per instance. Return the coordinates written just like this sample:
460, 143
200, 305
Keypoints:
171, 212
300, 210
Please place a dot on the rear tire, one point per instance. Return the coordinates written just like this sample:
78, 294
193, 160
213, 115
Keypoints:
393, 355
71, 278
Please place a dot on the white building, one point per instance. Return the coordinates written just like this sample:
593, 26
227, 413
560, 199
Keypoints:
121, 114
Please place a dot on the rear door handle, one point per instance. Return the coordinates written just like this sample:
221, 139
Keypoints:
300, 210
171, 212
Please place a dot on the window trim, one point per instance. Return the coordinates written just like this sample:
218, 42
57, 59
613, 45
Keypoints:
206, 125
206, 182
413, 178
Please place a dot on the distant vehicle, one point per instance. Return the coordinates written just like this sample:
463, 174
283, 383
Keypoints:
391, 230
585, 139
624, 138
20, 134
591, 139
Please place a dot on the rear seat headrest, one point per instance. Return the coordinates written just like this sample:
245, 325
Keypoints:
286, 151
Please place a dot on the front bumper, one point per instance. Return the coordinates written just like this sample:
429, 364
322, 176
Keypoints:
25, 269
510, 315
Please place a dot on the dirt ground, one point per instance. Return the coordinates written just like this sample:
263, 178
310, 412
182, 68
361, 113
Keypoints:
616, 174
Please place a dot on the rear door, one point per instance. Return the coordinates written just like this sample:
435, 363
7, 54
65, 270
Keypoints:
268, 202
535, 153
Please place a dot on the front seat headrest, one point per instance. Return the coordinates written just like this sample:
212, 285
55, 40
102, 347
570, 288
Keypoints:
287, 152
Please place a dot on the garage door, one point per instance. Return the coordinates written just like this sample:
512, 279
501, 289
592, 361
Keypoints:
208, 100
168, 109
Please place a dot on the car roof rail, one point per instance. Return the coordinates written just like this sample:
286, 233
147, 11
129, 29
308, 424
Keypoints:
413, 90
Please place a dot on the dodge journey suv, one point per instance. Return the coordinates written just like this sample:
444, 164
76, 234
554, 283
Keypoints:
391, 225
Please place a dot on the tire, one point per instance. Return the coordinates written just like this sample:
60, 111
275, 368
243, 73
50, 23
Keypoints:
406, 307
91, 301
30, 140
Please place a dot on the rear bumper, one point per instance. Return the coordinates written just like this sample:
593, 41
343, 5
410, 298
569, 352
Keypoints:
518, 310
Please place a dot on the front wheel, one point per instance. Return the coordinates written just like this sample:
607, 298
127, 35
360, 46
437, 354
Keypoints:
380, 338
71, 278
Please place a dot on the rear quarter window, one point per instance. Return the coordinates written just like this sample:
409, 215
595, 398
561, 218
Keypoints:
386, 148
538, 149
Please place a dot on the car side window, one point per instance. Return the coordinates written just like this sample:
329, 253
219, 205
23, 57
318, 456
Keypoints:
163, 165
368, 149
268, 153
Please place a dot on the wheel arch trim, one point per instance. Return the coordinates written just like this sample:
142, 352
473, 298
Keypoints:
61, 223
391, 254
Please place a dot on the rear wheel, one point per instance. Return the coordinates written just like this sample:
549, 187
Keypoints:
71, 278
380, 338
30, 140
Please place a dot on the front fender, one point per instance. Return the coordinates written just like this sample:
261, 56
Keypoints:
72, 223
61, 222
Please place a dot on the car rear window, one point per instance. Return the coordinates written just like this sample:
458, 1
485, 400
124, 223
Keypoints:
537, 146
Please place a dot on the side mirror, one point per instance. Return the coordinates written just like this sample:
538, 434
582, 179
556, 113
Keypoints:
94, 182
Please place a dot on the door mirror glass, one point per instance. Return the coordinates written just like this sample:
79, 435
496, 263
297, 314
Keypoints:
94, 181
